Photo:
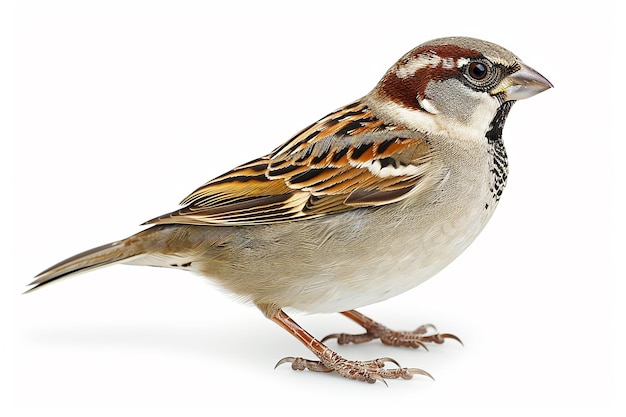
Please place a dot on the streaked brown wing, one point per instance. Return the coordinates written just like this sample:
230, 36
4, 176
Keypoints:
346, 160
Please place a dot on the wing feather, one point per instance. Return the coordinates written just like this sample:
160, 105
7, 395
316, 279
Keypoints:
348, 159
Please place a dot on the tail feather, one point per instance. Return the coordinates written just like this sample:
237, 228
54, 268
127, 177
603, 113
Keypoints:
86, 261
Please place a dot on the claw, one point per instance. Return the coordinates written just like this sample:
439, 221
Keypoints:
344, 338
451, 336
288, 359
391, 360
331, 336
377, 377
423, 329
417, 371
420, 344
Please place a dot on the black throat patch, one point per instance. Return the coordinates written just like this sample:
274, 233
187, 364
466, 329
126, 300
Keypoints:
500, 165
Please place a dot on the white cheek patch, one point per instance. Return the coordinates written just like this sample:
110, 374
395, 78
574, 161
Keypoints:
472, 129
427, 105
484, 112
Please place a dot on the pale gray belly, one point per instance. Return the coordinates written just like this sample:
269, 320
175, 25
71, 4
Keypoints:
352, 259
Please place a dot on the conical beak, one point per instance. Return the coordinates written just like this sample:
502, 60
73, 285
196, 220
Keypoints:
523, 83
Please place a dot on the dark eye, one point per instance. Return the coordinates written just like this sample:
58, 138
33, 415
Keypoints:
477, 70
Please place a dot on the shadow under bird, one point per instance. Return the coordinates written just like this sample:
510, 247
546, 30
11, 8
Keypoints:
362, 205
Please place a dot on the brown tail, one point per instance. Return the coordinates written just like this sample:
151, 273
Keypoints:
94, 258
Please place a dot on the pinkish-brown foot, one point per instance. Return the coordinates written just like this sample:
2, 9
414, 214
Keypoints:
329, 361
366, 371
374, 330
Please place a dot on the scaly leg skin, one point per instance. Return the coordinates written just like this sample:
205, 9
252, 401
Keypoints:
329, 361
374, 330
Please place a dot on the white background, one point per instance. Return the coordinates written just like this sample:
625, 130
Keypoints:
113, 111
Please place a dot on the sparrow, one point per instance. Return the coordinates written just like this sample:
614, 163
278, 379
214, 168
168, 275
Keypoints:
362, 205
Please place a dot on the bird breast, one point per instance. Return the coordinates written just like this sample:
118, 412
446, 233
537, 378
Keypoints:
348, 260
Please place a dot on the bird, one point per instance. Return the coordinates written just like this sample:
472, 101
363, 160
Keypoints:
364, 204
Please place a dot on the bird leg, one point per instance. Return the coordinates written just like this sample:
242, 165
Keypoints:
374, 330
329, 361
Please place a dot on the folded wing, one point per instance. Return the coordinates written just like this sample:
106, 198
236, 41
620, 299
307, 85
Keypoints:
346, 160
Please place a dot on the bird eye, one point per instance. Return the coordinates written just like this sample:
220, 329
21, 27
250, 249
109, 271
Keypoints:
477, 70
